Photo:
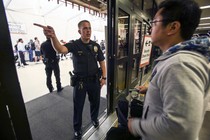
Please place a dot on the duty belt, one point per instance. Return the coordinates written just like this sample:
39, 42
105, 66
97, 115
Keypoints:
87, 79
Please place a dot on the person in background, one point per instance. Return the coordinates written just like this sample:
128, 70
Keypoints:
86, 55
21, 51
178, 92
102, 44
16, 55
51, 61
37, 49
30, 44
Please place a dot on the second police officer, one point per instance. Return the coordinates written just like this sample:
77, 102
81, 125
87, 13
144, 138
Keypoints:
51, 61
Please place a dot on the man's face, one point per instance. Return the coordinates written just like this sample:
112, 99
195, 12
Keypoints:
85, 31
158, 31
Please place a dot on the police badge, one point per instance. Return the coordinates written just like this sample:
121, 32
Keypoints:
95, 48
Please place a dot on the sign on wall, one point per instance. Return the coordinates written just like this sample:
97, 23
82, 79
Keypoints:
146, 51
17, 28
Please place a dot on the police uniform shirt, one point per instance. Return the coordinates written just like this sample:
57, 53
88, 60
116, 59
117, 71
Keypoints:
48, 51
85, 57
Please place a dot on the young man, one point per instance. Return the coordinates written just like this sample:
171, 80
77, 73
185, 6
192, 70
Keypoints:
21, 50
86, 54
178, 91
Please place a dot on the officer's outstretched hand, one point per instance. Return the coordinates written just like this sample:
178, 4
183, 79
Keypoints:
48, 30
102, 82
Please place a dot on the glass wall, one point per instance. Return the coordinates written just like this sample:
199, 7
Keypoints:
123, 21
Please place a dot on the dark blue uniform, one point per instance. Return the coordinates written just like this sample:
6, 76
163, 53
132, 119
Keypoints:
85, 57
51, 61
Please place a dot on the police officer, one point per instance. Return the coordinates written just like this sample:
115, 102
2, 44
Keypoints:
51, 61
86, 54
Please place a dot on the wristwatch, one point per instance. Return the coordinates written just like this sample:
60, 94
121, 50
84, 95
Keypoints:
104, 78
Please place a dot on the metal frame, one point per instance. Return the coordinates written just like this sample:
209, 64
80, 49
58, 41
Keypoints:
13, 118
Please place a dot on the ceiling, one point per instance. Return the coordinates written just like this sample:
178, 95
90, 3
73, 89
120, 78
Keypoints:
100, 6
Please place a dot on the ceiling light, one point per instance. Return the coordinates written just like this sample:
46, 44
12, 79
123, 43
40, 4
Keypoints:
205, 7
203, 27
205, 18
123, 17
203, 24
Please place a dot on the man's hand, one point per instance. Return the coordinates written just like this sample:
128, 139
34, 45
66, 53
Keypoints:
102, 82
48, 30
142, 89
129, 125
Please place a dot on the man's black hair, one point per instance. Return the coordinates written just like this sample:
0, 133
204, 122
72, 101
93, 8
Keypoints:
187, 12
20, 39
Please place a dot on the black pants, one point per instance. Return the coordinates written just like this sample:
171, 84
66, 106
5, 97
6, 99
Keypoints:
22, 57
49, 67
92, 88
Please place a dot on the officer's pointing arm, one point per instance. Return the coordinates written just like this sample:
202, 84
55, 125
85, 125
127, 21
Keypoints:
49, 32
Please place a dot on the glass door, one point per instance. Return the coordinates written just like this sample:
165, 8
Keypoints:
126, 32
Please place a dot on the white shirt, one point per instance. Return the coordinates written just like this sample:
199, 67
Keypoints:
21, 46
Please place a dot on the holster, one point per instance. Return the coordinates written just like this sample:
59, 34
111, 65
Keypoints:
73, 79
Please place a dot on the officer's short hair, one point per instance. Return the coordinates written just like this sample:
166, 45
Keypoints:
80, 23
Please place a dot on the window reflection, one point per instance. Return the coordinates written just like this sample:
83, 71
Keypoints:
135, 64
123, 24
121, 77
137, 37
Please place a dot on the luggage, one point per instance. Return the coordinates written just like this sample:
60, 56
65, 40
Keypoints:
136, 108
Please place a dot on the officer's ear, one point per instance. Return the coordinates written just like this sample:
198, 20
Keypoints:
79, 31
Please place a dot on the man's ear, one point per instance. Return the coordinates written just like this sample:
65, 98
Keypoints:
79, 31
174, 27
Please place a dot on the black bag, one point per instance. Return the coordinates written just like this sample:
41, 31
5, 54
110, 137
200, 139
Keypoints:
122, 112
120, 133
33, 46
136, 108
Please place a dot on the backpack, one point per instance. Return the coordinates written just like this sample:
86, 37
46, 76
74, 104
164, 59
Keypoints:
33, 46
27, 47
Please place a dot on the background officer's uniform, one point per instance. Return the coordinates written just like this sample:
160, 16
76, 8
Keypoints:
51, 60
85, 57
